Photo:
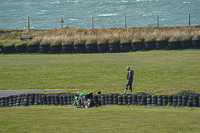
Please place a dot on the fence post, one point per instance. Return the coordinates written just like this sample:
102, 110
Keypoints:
125, 22
189, 19
28, 24
157, 21
92, 23
61, 22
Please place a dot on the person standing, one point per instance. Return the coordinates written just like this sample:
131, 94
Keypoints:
129, 80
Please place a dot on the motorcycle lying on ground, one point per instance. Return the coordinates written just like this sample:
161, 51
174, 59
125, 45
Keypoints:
82, 100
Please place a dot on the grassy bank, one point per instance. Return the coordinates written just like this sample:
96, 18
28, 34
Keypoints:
158, 72
102, 119
105, 34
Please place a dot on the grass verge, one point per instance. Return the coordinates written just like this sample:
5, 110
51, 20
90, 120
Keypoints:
158, 72
102, 119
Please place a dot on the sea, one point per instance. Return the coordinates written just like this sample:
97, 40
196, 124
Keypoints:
46, 14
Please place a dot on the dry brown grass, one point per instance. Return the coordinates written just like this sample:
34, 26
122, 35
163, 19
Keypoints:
81, 35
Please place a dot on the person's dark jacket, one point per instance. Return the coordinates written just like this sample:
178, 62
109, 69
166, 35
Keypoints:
130, 75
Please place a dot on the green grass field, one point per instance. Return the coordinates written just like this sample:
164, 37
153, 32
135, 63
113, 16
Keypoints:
158, 72
109, 119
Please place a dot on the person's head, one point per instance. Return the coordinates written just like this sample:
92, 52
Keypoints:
98, 92
127, 68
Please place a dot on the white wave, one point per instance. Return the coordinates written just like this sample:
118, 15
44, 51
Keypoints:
22, 21
186, 2
40, 13
125, 1
147, 15
73, 19
107, 14
55, 2
72, 1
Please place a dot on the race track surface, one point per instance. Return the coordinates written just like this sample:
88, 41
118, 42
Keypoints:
5, 93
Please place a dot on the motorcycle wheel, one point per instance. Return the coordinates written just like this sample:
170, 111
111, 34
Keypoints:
88, 103
74, 104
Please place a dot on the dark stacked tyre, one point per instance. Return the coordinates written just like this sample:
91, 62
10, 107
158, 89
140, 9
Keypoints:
154, 100
26, 100
0, 101
174, 45
186, 44
196, 44
21, 48
33, 48
55, 49
52, 99
107, 99
69, 99
115, 99
196, 100
125, 47
110, 99
129, 99
9, 49
149, 99
61, 100
1, 49
143, 100
199, 100
44, 48
91, 48
57, 100
102, 47
44, 100
103, 100
36, 99
31, 99
184, 100
139, 97
165, 100
114, 47
159, 100
149, 45
10, 100
137, 45
3, 102
124, 100
72, 97
179, 102
190, 101
175, 100
65, 99
40, 99
14, 100
119, 100
95, 100
170, 100
161, 44
48, 99
19, 97
67, 48
79, 48
99, 100
134, 99
6, 101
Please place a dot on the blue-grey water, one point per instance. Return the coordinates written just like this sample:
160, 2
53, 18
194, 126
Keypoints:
106, 13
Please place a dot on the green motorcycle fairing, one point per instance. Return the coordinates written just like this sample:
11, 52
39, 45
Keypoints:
77, 102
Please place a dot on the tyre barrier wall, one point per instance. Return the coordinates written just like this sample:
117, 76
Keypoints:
62, 99
102, 47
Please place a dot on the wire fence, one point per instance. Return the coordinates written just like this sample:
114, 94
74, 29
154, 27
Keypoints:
125, 22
